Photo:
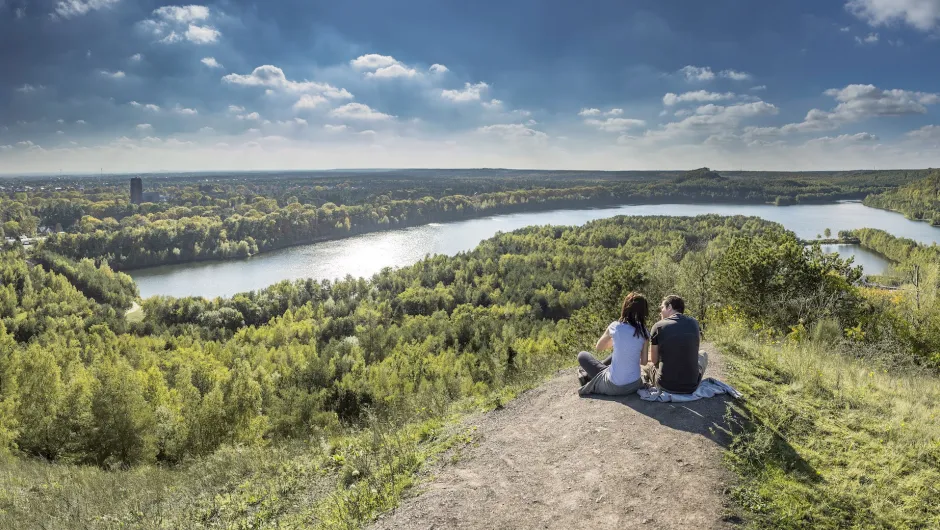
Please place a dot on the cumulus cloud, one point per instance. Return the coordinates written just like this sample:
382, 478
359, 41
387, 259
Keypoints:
28, 88
438, 69
236, 108
253, 116
714, 120
171, 38
921, 14
697, 73
512, 131
136, 58
309, 101
699, 96
614, 112
75, 8
843, 139
113, 75
144, 127
273, 77
184, 111
373, 61
149, 106
202, 34
210, 62
182, 14
470, 92
25, 143
860, 102
395, 70
615, 124
927, 132
758, 88
734, 75
590, 112
493, 104
872, 38
359, 111
335, 128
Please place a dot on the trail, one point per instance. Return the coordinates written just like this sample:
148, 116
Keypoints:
551, 459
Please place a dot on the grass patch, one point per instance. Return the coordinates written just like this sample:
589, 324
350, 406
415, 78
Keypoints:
824, 441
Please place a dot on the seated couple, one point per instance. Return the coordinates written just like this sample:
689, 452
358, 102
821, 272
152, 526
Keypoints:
666, 356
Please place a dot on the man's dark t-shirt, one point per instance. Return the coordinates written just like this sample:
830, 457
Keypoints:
678, 341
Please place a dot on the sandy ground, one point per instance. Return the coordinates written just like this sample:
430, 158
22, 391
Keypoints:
551, 459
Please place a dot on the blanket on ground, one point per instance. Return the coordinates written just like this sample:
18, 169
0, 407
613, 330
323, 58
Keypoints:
707, 388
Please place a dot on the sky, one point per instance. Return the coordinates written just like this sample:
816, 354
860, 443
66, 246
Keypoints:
141, 86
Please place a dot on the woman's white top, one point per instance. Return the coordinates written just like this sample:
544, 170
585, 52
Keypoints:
625, 364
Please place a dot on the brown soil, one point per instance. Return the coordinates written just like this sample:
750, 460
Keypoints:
551, 459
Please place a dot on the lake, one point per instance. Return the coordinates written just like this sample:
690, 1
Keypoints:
367, 254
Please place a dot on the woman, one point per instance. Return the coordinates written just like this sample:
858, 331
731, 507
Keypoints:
619, 374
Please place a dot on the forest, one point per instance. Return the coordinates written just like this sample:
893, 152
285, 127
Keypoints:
919, 200
307, 362
233, 216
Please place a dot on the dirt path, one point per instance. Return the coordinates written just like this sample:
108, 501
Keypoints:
551, 459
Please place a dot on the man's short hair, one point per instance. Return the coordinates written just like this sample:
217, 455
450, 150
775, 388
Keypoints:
676, 302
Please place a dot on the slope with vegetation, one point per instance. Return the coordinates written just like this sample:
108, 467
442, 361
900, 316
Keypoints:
314, 403
919, 200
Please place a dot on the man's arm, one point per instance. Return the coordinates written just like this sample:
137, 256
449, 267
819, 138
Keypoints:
654, 354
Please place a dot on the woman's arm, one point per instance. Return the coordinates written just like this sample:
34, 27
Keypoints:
605, 342
644, 353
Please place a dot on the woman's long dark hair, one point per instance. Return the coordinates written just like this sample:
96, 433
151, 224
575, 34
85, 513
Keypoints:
635, 312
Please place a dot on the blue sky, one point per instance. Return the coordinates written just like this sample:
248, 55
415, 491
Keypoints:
131, 86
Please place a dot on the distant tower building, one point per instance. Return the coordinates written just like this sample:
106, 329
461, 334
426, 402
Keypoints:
137, 190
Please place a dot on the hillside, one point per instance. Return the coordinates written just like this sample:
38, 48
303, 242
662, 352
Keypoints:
919, 200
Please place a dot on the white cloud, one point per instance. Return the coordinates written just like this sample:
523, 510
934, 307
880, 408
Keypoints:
5, 147
171, 38
182, 14
699, 96
150, 140
184, 111
25, 143
359, 111
469, 92
206, 129
60, 132
860, 102
210, 62
697, 73
136, 58
273, 77
395, 70
493, 104
512, 131
149, 106
921, 14
27, 88
927, 132
335, 128
734, 75
202, 34
872, 38
250, 116
614, 112
438, 69
144, 127
113, 75
373, 61
714, 120
845, 29
615, 124
843, 139
758, 88
74, 8
80, 122
60, 120
590, 112
236, 108
309, 101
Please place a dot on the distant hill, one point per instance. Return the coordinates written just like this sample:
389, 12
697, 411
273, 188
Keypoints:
919, 200
702, 173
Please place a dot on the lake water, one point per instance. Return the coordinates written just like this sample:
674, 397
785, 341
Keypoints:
367, 254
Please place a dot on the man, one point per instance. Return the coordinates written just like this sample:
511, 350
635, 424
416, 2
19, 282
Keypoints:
676, 365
